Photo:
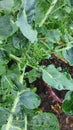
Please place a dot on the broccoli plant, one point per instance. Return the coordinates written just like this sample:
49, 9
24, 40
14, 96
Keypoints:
32, 31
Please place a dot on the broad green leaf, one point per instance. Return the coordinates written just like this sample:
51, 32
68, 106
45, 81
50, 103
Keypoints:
29, 99
67, 105
20, 123
3, 57
56, 79
3, 115
44, 121
41, 9
53, 36
10, 5
11, 128
68, 55
16, 82
6, 4
28, 5
2, 68
19, 41
7, 27
7, 87
26, 28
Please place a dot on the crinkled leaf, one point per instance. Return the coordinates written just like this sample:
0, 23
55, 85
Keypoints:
68, 55
56, 79
67, 105
26, 28
7, 27
29, 99
6, 4
44, 121
53, 36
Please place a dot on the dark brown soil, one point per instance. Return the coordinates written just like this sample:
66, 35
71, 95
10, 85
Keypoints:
47, 104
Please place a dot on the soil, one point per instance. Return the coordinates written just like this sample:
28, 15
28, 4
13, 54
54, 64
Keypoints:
47, 102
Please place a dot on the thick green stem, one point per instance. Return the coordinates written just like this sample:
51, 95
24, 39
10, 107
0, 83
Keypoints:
10, 119
14, 57
25, 122
22, 75
36, 68
63, 49
48, 12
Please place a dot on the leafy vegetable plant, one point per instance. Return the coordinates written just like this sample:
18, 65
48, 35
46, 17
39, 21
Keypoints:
31, 31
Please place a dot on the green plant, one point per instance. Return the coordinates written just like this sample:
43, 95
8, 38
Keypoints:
31, 31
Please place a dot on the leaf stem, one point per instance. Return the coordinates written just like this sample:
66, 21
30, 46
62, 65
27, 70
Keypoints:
14, 57
22, 75
48, 12
12, 112
25, 122
36, 68
62, 49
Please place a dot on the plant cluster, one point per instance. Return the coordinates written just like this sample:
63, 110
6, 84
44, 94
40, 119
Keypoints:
31, 31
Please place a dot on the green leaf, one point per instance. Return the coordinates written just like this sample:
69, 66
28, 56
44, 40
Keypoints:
17, 5
29, 7
3, 115
71, 1
68, 55
6, 4
41, 9
67, 105
53, 36
7, 27
44, 121
19, 41
16, 82
26, 28
11, 128
32, 75
56, 79
7, 87
29, 99
3, 57
2, 69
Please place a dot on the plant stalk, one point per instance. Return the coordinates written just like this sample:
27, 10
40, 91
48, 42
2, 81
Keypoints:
10, 119
48, 12
25, 122
14, 57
